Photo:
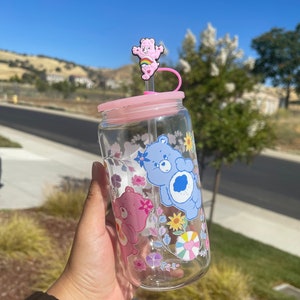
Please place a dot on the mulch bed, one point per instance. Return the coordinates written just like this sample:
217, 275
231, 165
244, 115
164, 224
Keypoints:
18, 277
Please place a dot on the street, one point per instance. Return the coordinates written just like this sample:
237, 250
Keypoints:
268, 182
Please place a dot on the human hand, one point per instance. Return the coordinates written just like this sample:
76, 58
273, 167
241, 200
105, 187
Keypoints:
92, 271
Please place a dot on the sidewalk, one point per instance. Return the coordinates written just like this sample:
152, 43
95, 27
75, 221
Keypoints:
28, 172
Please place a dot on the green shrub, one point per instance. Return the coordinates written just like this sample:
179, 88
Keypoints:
5, 142
222, 282
21, 236
53, 269
225, 282
67, 199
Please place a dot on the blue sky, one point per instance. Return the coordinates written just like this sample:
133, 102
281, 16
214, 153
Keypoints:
101, 33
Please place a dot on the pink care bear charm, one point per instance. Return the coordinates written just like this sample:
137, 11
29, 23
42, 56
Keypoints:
131, 211
148, 53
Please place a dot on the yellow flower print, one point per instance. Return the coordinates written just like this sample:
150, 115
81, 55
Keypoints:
176, 222
188, 142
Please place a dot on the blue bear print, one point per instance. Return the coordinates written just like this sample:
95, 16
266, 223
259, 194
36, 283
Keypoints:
173, 174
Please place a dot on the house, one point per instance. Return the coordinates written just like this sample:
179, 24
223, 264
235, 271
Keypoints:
81, 81
266, 99
54, 78
112, 84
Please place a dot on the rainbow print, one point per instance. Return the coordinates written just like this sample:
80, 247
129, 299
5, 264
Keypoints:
146, 61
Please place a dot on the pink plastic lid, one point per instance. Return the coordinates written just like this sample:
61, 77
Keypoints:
141, 107
140, 100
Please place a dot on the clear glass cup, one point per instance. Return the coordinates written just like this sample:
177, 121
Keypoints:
148, 148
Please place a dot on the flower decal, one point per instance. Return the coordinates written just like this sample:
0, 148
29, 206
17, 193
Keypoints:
139, 264
154, 259
138, 180
141, 158
168, 267
146, 205
176, 222
116, 180
188, 141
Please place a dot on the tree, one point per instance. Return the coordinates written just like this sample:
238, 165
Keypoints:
28, 78
41, 85
65, 87
279, 58
226, 127
15, 78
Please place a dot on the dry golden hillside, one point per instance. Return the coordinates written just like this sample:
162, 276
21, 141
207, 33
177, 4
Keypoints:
122, 74
15, 64
7, 72
51, 65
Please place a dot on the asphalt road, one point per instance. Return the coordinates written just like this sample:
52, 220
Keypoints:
72, 131
268, 182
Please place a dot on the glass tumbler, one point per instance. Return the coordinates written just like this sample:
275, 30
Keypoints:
148, 148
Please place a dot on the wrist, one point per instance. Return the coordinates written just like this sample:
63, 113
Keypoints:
64, 289
41, 296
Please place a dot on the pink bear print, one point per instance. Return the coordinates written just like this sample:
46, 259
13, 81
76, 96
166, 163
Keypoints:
131, 211
148, 53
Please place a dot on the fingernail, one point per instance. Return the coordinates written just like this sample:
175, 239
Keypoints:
95, 170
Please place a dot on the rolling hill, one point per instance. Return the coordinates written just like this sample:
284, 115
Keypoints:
15, 64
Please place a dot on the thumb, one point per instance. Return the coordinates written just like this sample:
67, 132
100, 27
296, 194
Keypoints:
100, 176
95, 204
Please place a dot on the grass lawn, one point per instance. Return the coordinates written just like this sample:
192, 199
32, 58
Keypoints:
267, 266
263, 265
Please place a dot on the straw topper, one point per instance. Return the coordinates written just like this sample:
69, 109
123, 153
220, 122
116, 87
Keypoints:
148, 53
